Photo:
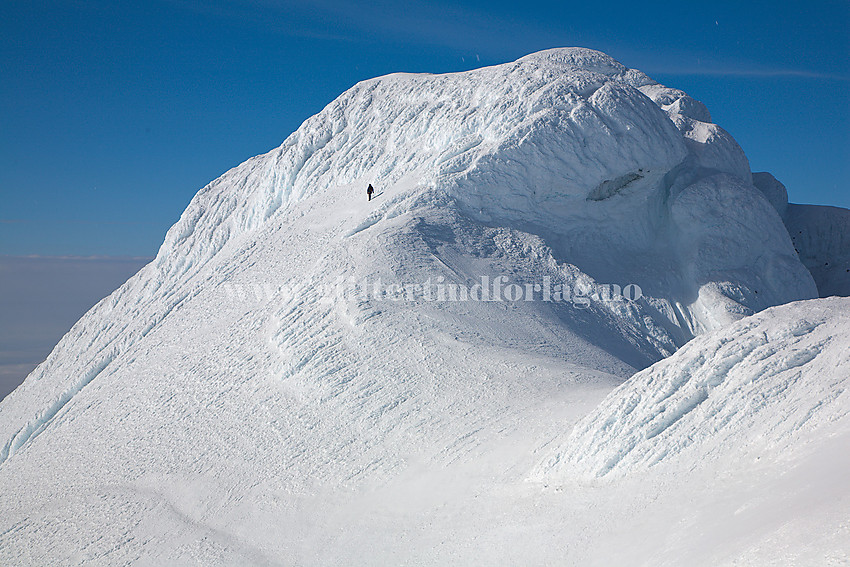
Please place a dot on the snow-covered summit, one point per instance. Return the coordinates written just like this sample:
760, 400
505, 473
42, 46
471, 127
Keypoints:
437, 131
566, 144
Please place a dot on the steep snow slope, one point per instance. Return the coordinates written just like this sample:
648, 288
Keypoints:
201, 411
737, 444
236, 415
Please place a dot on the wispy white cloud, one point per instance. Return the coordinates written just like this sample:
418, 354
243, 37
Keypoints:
748, 73
438, 22
4, 258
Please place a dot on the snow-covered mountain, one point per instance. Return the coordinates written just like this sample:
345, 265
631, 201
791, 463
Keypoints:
292, 380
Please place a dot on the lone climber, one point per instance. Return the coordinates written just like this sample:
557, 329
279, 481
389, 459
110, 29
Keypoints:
369, 191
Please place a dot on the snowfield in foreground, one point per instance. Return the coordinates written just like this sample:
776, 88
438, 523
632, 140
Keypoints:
773, 383
229, 405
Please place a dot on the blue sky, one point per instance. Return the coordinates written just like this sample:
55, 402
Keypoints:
112, 115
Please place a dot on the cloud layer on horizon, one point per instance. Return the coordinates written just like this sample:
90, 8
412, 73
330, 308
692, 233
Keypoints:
41, 297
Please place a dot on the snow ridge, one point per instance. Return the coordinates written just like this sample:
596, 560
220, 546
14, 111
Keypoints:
32, 428
765, 385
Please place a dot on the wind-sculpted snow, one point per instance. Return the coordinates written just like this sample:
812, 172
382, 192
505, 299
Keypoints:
769, 384
562, 144
820, 234
548, 128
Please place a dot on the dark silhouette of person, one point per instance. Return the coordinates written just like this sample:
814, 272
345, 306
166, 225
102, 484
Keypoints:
369, 191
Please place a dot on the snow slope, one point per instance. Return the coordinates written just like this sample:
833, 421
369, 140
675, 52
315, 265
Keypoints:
771, 383
739, 440
774, 190
229, 404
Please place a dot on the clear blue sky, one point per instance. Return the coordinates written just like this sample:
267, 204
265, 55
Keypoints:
113, 114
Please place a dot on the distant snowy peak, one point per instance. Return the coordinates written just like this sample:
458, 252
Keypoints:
820, 234
771, 382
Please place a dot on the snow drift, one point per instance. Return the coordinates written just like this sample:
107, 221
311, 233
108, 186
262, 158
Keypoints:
769, 384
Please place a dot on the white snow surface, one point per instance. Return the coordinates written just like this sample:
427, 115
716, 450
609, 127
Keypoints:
223, 407
773, 189
771, 383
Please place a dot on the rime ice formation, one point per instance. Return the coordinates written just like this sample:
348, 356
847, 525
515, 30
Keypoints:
228, 406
